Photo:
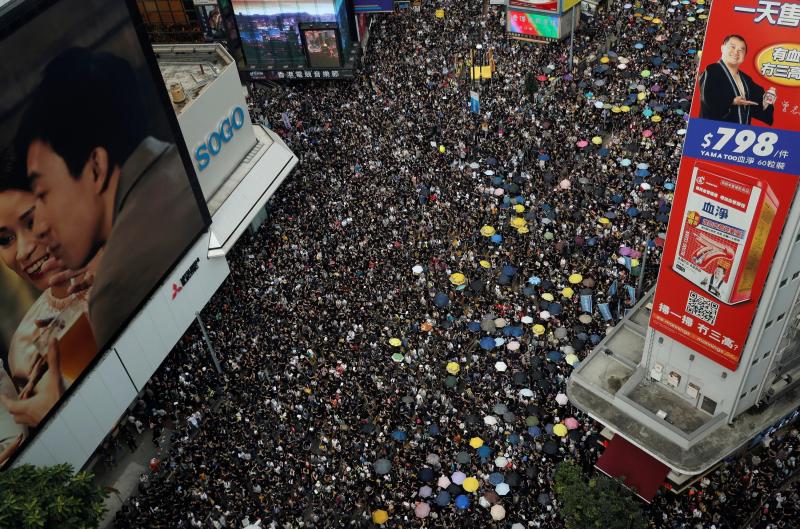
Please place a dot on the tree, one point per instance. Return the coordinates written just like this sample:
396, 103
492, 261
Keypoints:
49, 498
597, 502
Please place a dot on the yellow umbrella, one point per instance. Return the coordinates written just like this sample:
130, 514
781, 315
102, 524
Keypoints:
538, 329
656, 21
547, 296
476, 442
395, 342
634, 263
571, 359
458, 278
560, 430
640, 96
453, 368
656, 118
523, 230
597, 140
625, 108
487, 231
647, 17
470, 484
519, 208
575, 279
604, 60
567, 292
486, 264
518, 222
442, 149
380, 516
616, 110
603, 220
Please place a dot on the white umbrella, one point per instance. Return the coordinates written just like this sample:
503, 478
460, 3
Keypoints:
502, 489
484, 502
526, 393
417, 269
512, 346
501, 366
517, 526
527, 319
443, 482
488, 172
498, 512
500, 462
432, 459
545, 315
490, 420
474, 165
562, 399
500, 323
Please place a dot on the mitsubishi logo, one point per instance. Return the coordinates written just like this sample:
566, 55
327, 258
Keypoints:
175, 290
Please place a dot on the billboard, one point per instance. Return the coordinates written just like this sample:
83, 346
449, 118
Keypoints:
270, 29
98, 198
531, 25
737, 179
211, 19
569, 4
322, 45
373, 6
543, 5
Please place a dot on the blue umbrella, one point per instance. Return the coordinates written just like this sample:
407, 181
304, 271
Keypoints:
487, 343
515, 331
399, 435
433, 429
495, 478
625, 162
662, 217
595, 339
639, 45
426, 474
443, 498
616, 199
491, 161
544, 157
519, 199
642, 172
554, 356
462, 502
474, 326
441, 300
512, 439
632, 212
484, 451
496, 238
611, 215
647, 112
497, 180
533, 280
669, 186
549, 428
509, 270
504, 280
528, 291
554, 309
535, 431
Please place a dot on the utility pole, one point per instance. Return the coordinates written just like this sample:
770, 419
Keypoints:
642, 266
210, 347
572, 41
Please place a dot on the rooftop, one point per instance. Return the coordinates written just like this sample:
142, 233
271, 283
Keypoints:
188, 69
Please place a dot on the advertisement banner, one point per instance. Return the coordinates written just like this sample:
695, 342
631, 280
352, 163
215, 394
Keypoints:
737, 179
373, 6
542, 5
531, 25
569, 4
474, 102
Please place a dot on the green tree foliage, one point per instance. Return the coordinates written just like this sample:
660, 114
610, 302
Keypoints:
49, 498
599, 502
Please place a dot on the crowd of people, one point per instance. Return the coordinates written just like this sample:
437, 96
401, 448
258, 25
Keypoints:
400, 330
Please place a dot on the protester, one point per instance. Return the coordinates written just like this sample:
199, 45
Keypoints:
359, 366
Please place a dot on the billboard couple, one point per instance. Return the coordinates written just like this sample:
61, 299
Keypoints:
93, 212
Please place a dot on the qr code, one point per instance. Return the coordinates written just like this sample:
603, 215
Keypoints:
702, 307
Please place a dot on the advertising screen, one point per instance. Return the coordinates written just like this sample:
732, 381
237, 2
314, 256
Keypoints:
527, 24
270, 29
737, 179
373, 6
322, 47
544, 5
211, 20
98, 199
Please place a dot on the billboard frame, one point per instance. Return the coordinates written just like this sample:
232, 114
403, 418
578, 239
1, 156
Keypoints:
321, 26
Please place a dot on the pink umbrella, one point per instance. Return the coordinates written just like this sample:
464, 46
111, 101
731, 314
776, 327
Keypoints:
647, 133
635, 254
565, 184
512, 346
582, 144
498, 192
443, 482
422, 510
625, 251
425, 492
571, 423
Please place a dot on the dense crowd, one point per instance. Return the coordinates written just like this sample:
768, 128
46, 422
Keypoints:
406, 319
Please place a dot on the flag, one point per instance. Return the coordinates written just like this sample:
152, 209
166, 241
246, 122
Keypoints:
605, 311
586, 303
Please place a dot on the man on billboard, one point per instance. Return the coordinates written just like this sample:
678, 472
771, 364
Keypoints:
101, 182
729, 94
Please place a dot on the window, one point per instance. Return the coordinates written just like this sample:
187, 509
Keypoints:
709, 405
766, 354
795, 275
674, 379
781, 317
783, 281
768, 325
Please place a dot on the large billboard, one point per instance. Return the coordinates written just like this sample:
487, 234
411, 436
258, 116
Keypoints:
270, 29
373, 6
544, 5
531, 25
737, 179
98, 198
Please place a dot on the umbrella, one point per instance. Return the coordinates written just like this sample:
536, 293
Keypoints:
491, 161
560, 430
565, 184
517, 526
502, 489
571, 423
496, 238
484, 451
458, 279
495, 478
458, 477
567, 292
462, 502
443, 498
395, 342
544, 157
585, 318
453, 368
513, 479
487, 231
425, 491
597, 140
476, 442
450, 381
554, 356
534, 431
500, 408
443, 482
462, 458
498, 512
399, 435
422, 510
490, 420
562, 399
571, 359
501, 462
441, 300
432, 459
527, 393
487, 343
543, 499
550, 447
380, 516
417, 269
470, 484
509, 416
531, 420
512, 346
575, 279
382, 466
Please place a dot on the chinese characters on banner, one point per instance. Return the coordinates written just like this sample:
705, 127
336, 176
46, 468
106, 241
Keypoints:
737, 179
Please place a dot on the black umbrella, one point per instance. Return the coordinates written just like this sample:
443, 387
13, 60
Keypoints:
550, 447
472, 419
520, 378
543, 499
513, 479
509, 417
532, 409
477, 286
454, 490
463, 458
426, 474
443, 498
368, 428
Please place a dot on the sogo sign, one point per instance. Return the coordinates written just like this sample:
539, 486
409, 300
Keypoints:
205, 152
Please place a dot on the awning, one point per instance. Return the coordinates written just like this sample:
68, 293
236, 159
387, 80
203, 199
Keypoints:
641, 472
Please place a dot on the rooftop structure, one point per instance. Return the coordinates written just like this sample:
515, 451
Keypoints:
188, 69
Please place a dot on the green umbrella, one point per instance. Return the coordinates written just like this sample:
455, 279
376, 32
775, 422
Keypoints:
548, 235
397, 357
531, 420
645, 73
450, 381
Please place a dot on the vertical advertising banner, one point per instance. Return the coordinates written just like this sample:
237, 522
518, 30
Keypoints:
737, 179
373, 6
